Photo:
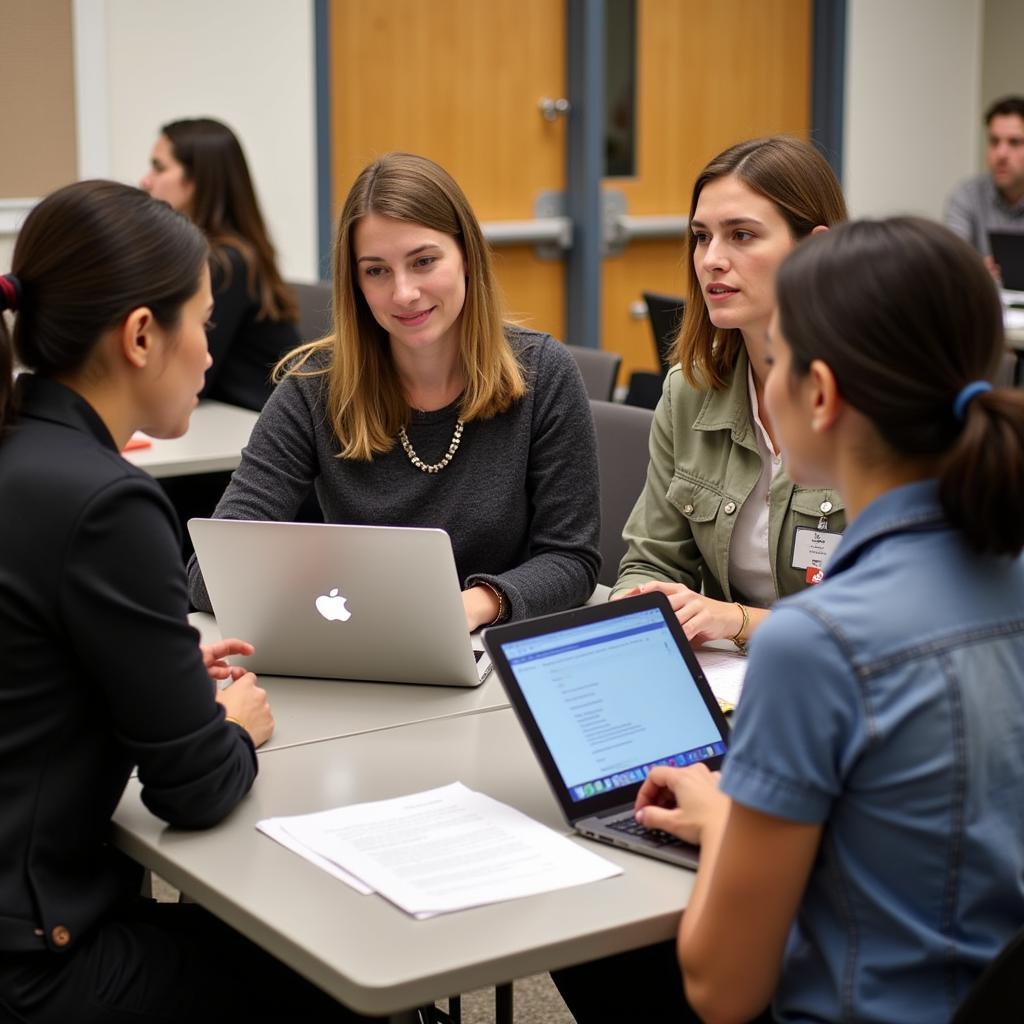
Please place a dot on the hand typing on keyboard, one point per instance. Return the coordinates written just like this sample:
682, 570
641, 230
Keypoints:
681, 801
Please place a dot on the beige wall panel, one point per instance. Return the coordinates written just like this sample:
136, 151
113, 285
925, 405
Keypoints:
37, 79
1002, 66
912, 110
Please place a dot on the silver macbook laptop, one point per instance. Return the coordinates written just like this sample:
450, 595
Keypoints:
604, 694
377, 603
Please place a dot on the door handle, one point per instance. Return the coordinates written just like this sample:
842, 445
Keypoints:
620, 228
552, 110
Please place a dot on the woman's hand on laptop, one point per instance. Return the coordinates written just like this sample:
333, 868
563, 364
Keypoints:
214, 655
681, 801
246, 703
482, 606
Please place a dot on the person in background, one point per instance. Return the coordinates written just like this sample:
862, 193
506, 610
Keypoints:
198, 167
862, 854
422, 408
993, 201
719, 527
109, 298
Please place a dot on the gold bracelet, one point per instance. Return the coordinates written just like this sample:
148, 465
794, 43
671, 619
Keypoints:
501, 601
228, 718
739, 639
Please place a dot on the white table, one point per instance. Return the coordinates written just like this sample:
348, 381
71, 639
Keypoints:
216, 435
361, 949
312, 710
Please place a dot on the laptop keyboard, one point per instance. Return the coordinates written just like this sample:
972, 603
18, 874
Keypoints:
630, 826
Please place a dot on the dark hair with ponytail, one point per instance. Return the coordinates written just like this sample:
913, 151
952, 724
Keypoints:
86, 256
224, 205
905, 315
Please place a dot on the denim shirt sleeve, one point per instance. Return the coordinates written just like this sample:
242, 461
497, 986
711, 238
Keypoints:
800, 725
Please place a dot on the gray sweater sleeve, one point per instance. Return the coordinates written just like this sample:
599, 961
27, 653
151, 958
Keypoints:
562, 482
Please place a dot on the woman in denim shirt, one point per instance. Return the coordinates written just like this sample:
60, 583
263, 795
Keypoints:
863, 858
718, 513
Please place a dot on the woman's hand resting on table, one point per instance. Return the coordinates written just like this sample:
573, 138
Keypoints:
244, 700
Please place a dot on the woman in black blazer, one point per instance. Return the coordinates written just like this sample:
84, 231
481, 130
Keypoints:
110, 293
198, 167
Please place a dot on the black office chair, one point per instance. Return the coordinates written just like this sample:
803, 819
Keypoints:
599, 369
665, 313
622, 457
997, 997
315, 319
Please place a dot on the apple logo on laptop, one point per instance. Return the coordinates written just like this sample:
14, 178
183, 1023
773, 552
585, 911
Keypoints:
332, 607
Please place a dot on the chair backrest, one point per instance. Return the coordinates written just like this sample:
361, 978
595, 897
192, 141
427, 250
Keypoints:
665, 313
314, 309
997, 997
644, 389
622, 457
600, 370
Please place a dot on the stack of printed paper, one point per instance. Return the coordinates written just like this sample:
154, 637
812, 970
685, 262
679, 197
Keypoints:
443, 850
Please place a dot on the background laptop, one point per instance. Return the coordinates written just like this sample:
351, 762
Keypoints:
605, 693
377, 603
1008, 251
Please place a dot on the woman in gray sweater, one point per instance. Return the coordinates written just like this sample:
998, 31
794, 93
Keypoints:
423, 409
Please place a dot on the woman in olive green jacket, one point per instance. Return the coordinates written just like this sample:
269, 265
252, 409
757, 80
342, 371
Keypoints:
718, 512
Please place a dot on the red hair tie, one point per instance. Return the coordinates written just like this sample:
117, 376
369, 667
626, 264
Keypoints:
10, 292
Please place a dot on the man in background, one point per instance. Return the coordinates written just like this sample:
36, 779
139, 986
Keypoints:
993, 201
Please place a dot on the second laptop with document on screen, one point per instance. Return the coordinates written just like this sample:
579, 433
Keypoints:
604, 694
376, 603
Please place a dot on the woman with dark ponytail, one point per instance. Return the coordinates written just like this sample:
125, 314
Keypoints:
101, 672
863, 856
198, 167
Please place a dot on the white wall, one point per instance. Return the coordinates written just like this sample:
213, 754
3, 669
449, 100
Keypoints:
1002, 71
250, 63
913, 83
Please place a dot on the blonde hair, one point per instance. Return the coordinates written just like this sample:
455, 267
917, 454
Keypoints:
797, 179
365, 401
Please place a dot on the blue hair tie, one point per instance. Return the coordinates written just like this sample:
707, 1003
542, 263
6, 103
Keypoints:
966, 393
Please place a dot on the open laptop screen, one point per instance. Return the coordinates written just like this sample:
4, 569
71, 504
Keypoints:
613, 698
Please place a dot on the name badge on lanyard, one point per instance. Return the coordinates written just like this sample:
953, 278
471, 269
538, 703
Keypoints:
812, 548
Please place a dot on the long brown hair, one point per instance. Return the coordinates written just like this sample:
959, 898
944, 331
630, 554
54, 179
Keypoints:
224, 206
85, 257
797, 179
906, 315
365, 403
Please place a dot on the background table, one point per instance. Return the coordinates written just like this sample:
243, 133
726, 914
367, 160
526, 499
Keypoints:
216, 435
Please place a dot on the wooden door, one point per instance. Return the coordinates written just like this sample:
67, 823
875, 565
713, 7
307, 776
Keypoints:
708, 75
459, 81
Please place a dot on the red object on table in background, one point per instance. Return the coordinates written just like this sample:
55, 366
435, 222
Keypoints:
137, 441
